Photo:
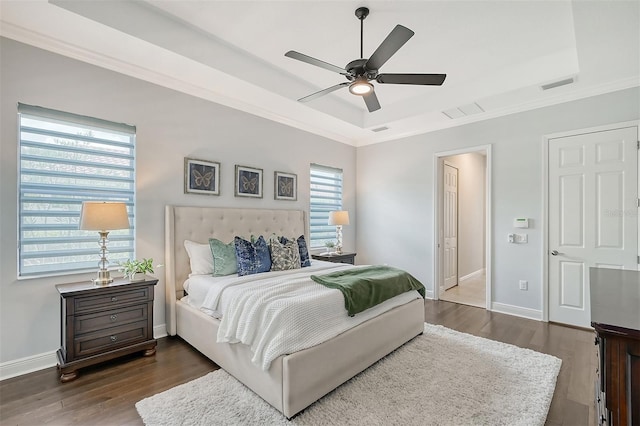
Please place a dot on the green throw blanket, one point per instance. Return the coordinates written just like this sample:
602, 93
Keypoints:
368, 286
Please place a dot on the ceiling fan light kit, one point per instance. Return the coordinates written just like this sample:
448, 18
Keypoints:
360, 72
360, 87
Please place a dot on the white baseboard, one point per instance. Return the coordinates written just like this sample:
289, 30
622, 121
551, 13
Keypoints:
33, 363
474, 274
159, 331
518, 311
428, 294
28, 364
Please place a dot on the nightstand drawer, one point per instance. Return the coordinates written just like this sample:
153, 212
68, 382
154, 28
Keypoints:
111, 300
92, 322
112, 338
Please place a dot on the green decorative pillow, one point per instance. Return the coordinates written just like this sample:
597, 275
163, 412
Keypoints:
285, 255
224, 258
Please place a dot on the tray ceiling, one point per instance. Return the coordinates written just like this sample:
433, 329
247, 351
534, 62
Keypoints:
496, 54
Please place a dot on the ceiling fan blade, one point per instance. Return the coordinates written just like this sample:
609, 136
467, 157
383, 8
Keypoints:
394, 41
313, 61
323, 92
425, 79
372, 101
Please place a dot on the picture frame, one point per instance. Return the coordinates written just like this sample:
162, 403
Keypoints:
248, 182
285, 186
201, 177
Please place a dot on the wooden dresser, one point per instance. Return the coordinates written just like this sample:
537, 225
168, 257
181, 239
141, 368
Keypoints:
615, 316
102, 323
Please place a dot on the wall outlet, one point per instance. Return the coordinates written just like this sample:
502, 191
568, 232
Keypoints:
524, 285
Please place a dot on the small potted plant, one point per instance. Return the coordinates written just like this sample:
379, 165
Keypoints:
135, 269
329, 245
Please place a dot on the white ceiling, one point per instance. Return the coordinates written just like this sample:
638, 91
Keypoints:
496, 54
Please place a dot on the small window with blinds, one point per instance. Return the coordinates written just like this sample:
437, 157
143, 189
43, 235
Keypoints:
66, 159
325, 196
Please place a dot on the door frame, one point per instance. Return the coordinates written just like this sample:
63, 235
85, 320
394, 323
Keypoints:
437, 217
545, 198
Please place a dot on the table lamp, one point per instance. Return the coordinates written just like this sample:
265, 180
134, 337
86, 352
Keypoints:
339, 218
103, 216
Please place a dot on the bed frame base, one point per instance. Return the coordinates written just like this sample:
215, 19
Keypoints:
295, 381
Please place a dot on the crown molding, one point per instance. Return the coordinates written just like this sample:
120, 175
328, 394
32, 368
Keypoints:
301, 118
45, 42
583, 93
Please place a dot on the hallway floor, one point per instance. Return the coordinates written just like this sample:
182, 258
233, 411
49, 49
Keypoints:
470, 292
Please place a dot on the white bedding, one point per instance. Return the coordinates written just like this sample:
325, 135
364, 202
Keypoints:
277, 313
205, 290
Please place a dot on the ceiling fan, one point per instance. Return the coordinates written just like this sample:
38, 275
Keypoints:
360, 72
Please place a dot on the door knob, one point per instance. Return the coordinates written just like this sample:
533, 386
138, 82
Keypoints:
554, 253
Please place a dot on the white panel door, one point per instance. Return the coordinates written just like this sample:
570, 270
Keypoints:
450, 225
593, 196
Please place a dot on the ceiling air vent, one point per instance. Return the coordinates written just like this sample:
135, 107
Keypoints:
380, 129
463, 111
557, 83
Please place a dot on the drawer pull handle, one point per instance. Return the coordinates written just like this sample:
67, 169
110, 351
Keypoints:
113, 317
114, 299
114, 338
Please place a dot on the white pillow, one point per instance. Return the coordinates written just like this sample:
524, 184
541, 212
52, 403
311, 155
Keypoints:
200, 258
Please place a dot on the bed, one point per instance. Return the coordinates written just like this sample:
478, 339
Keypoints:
296, 380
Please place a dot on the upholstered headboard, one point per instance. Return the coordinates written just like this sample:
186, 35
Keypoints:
201, 223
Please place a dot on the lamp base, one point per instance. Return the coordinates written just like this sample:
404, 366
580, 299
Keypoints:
103, 278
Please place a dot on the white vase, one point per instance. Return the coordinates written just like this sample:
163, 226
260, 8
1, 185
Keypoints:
137, 277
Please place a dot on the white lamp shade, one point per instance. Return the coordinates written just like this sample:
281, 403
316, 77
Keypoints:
340, 217
103, 216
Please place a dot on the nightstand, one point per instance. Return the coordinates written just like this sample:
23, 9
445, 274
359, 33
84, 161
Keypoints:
336, 258
102, 323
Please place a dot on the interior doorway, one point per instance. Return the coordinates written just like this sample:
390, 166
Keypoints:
462, 226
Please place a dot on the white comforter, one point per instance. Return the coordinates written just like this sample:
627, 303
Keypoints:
278, 313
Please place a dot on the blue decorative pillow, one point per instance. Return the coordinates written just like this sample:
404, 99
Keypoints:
304, 252
302, 249
253, 258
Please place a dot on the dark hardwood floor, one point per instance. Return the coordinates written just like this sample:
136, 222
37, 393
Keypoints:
573, 400
105, 394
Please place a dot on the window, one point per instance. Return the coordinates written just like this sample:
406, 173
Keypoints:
325, 196
66, 159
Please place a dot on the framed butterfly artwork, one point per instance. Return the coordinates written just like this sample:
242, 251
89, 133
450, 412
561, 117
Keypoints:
201, 177
286, 186
248, 182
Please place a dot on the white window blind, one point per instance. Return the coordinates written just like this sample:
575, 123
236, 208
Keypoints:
325, 196
66, 159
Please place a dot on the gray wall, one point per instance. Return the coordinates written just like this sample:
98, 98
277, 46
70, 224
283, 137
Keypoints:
399, 176
392, 215
170, 126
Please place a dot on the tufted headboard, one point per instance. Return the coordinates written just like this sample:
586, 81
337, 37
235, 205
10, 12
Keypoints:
201, 223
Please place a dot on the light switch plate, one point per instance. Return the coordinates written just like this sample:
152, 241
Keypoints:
521, 238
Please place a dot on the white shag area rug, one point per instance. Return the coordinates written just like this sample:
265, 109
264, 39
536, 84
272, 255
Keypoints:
442, 377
